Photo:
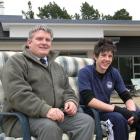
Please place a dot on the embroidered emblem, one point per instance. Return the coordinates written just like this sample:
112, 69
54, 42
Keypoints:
109, 84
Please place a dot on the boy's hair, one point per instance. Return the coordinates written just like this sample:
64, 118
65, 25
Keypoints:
103, 45
38, 28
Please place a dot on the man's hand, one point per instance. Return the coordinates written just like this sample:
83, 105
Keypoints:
70, 108
55, 114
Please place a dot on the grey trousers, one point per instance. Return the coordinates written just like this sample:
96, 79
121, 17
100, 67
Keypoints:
78, 127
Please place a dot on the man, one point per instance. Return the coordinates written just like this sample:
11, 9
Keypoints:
96, 84
37, 86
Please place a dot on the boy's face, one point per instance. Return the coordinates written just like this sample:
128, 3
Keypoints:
40, 44
103, 61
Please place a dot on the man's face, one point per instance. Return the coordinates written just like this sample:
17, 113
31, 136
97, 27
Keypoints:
40, 44
103, 61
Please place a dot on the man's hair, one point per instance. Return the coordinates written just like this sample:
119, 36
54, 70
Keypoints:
38, 28
103, 45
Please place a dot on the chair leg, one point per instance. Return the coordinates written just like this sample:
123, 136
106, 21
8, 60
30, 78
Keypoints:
99, 134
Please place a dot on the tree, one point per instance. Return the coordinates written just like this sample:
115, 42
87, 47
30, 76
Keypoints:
106, 17
88, 12
122, 14
53, 11
76, 16
29, 14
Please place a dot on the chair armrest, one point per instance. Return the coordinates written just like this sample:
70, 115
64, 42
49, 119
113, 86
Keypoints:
95, 114
23, 119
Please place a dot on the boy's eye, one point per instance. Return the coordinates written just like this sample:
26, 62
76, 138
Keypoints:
103, 55
110, 55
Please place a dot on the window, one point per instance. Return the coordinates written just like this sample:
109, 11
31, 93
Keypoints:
124, 64
129, 67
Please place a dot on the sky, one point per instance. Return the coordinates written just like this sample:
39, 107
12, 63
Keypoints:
14, 7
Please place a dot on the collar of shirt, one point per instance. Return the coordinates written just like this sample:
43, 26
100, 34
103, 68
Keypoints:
46, 59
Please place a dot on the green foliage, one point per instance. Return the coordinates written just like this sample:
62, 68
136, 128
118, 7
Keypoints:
107, 17
122, 14
53, 11
76, 16
88, 12
29, 14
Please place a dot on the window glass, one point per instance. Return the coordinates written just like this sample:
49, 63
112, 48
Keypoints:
137, 69
124, 65
136, 60
137, 75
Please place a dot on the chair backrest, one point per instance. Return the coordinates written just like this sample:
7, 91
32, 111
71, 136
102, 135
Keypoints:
71, 66
4, 55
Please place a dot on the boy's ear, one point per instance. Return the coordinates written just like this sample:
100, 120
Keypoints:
94, 57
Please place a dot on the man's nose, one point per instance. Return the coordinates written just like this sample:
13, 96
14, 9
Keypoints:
44, 41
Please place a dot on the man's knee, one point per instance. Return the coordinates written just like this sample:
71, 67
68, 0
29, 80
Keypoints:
50, 130
87, 120
50, 126
45, 128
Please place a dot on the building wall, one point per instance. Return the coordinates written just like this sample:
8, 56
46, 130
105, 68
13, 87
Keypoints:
76, 47
60, 31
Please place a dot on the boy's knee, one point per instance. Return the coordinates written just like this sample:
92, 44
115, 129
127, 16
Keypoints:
118, 119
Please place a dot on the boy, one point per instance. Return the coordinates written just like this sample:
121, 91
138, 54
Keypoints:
96, 84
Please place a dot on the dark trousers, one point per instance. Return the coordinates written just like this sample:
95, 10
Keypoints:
137, 129
120, 125
137, 125
137, 137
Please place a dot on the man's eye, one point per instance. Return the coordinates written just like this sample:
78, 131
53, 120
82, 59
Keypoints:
48, 40
39, 39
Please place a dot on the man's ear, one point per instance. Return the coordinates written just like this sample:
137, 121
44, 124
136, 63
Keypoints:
28, 42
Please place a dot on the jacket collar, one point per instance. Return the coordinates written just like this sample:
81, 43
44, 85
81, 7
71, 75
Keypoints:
51, 56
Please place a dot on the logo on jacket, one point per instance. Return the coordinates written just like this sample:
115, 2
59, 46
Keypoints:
109, 84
